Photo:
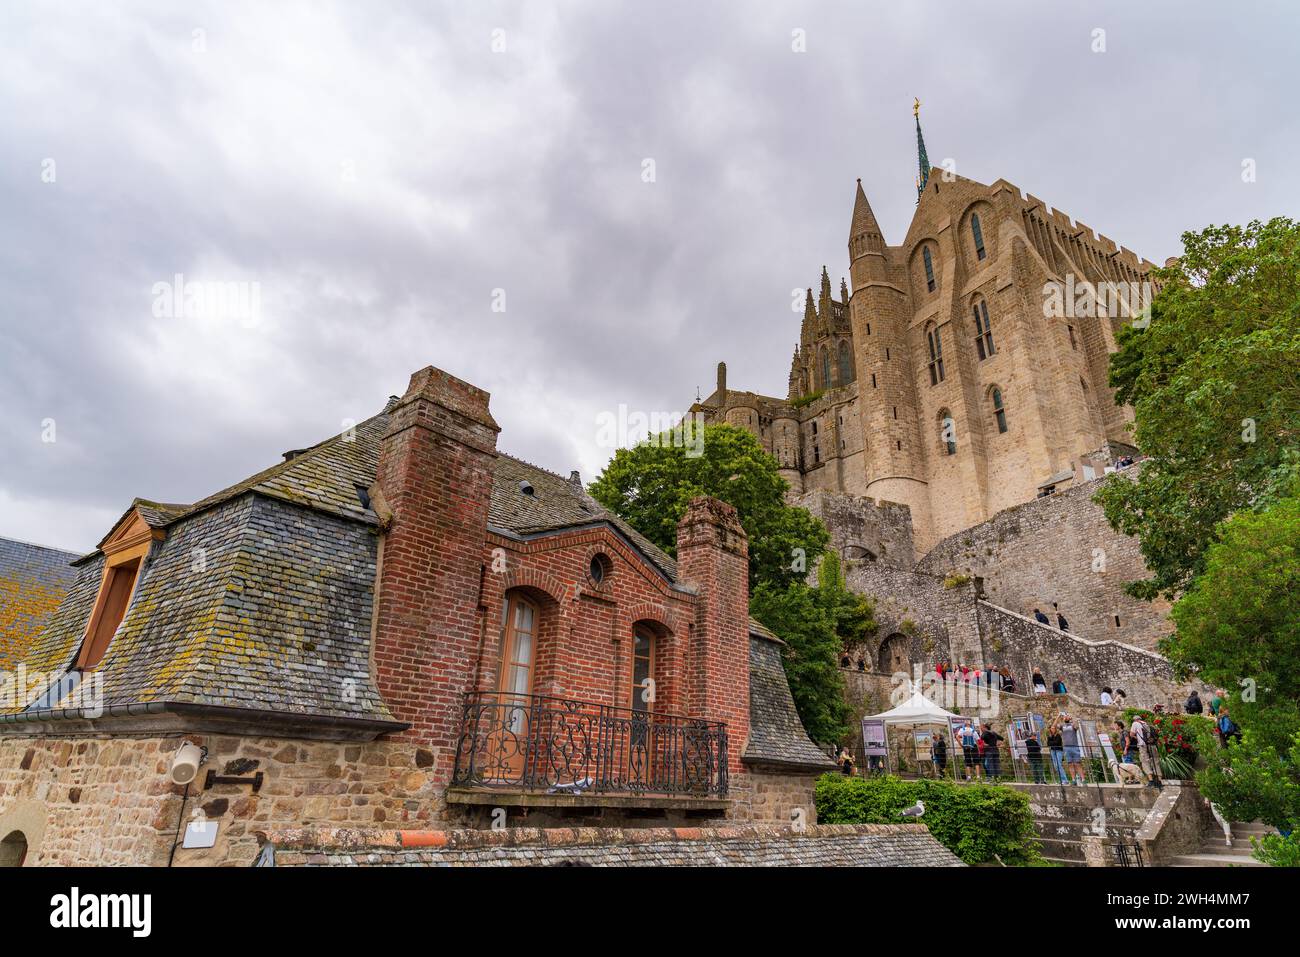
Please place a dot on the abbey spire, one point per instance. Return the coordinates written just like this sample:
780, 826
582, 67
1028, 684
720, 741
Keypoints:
922, 161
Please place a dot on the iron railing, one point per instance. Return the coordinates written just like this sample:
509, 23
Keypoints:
539, 743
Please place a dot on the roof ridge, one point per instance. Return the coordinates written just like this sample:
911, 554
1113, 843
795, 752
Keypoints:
251, 483
46, 548
539, 468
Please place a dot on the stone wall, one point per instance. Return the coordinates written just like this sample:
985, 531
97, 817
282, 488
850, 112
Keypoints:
1058, 549
1086, 667
859, 526
86, 800
111, 802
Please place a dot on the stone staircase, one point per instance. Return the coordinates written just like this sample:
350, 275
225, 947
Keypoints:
1064, 815
1216, 852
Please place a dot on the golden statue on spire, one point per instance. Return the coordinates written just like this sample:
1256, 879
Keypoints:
916, 108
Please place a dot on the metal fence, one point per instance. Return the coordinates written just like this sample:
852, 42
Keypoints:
539, 743
1086, 764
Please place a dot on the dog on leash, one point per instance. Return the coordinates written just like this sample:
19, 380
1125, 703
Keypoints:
1126, 773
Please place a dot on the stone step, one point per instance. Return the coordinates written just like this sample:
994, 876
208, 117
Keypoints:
1215, 845
1215, 860
1086, 815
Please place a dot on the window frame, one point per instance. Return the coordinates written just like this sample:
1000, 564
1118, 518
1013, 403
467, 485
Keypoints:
934, 345
977, 234
983, 330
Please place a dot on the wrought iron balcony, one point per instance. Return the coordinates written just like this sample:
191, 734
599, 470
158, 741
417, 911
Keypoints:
537, 743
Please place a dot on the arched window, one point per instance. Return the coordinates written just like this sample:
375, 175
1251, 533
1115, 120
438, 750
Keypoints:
978, 235
947, 432
999, 413
13, 849
983, 335
935, 345
518, 645
929, 268
824, 357
846, 363
643, 669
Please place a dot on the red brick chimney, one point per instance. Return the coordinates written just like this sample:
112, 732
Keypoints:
713, 557
435, 480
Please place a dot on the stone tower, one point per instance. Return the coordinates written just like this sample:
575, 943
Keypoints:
880, 316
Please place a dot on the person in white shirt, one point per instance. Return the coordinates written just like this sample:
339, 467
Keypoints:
1105, 696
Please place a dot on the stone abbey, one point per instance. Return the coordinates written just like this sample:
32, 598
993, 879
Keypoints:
948, 378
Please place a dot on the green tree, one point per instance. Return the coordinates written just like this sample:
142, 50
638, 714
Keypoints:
1238, 626
651, 484
1214, 381
816, 623
1239, 621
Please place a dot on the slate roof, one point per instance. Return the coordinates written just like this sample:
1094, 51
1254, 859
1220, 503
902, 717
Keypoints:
33, 580
751, 845
776, 735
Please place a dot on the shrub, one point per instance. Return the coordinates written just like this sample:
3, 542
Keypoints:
1179, 739
977, 822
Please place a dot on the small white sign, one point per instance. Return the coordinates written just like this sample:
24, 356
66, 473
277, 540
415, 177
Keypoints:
200, 834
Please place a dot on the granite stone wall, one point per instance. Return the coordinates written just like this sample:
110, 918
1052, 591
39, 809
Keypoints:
1058, 549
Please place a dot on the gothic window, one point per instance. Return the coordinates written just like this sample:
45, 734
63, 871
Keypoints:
1073, 342
929, 268
846, 363
999, 413
825, 357
978, 235
983, 335
935, 345
947, 432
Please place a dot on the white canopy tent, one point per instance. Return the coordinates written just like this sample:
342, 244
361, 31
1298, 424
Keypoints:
918, 709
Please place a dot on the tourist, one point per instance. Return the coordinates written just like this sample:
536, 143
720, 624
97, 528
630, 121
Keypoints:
1228, 728
1140, 743
1058, 686
939, 755
1039, 682
1106, 696
1061, 623
1008, 682
1073, 752
1119, 697
992, 757
1216, 702
968, 736
1057, 750
1034, 751
1193, 705
1121, 742
846, 762
1040, 617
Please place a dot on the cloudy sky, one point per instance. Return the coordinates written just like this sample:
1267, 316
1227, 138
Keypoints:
465, 185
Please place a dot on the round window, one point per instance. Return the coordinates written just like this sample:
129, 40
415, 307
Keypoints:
599, 568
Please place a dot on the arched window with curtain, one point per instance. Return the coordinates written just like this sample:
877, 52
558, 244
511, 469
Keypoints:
983, 334
978, 235
947, 432
643, 669
824, 358
929, 268
999, 411
846, 363
935, 346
